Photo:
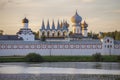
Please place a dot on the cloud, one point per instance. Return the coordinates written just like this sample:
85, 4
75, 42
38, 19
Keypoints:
116, 11
87, 1
4, 3
9, 3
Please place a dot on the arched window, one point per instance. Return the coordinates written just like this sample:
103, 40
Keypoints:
64, 33
108, 40
110, 46
43, 33
58, 34
77, 30
48, 34
53, 34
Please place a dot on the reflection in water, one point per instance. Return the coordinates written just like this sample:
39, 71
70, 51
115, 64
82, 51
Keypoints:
49, 70
60, 71
97, 66
79, 65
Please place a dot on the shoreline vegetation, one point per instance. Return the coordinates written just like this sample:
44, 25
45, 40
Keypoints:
33, 57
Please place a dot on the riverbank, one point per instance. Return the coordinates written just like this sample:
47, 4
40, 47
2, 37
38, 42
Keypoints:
105, 58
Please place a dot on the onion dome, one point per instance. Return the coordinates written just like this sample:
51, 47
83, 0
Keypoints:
25, 20
84, 24
76, 18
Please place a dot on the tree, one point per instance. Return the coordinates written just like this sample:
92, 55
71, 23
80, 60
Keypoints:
36, 34
1, 32
115, 35
33, 57
43, 38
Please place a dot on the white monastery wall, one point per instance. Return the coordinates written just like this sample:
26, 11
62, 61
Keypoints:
106, 47
55, 49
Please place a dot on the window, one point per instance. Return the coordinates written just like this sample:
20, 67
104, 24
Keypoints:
43, 33
77, 30
53, 34
108, 46
48, 33
108, 40
64, 33
58, 34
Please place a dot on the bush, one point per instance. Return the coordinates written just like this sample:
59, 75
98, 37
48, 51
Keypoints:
33, 57
97, 57
118, 58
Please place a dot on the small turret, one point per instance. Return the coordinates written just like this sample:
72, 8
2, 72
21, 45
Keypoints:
84, 26
25, 20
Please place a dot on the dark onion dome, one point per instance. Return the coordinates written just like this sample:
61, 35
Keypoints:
25, 20
76, 18
84, 24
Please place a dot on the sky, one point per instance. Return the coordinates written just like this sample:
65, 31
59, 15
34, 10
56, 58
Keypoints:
100, 15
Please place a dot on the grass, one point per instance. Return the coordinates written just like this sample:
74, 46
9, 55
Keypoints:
67, 58
12, 59
106, 58
112, 58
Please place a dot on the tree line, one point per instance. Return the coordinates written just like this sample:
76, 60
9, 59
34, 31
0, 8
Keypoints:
115, 35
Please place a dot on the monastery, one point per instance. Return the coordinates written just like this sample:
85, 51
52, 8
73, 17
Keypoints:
58, 41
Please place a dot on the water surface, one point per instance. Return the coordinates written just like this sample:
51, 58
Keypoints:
61, 68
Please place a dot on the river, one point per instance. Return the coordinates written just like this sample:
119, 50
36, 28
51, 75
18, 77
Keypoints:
60, 71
